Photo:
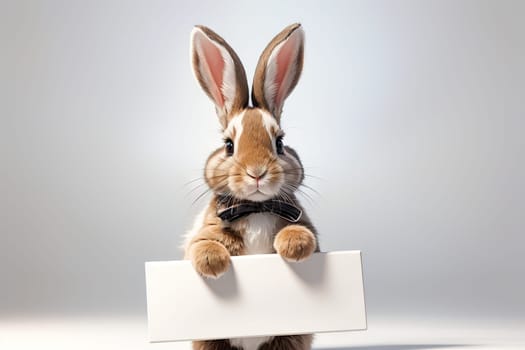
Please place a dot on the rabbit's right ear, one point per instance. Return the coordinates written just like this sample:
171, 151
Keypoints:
278, 70
219, 72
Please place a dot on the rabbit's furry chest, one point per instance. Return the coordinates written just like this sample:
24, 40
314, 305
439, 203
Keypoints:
258, 231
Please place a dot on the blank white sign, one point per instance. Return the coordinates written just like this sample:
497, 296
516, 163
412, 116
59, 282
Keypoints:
260, 295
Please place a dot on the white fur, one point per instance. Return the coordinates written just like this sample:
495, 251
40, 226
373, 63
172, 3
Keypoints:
270, 86
229, 84
269, 122
249, 343
258, 237
235, 124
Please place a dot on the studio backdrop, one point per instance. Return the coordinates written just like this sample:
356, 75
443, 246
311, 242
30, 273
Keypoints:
409, 119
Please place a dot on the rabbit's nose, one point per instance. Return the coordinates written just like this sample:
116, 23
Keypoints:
257, 173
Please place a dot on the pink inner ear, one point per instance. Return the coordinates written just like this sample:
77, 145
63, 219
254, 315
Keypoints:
214, 64
285, 59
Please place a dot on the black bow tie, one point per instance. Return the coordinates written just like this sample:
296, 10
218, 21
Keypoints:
231, 210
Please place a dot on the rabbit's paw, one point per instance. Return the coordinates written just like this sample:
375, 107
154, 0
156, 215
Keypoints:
210, 259
295, 243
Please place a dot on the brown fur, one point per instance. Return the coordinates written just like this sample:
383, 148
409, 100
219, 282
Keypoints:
214, 230
255, 145
295, 242
290, 342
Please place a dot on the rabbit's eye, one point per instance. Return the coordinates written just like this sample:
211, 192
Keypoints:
228, 144
279, 145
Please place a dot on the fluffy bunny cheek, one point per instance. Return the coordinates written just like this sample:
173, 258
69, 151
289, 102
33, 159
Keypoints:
293, 172
235, 185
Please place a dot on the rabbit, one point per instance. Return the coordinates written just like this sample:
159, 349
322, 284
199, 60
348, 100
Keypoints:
254, 175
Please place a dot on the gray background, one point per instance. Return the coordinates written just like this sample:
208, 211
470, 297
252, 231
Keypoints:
410, 115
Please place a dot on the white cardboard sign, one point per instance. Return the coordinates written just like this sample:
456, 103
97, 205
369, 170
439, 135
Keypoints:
259, 295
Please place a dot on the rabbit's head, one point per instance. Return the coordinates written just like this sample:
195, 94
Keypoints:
254, 163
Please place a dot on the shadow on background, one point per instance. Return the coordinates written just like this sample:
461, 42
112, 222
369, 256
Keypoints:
400, 347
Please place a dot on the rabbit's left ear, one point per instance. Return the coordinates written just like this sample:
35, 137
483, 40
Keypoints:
279, 69
219, 71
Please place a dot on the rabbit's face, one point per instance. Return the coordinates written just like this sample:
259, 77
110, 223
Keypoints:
254, 164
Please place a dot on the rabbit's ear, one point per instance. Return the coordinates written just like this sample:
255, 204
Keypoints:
279, 69
219, 72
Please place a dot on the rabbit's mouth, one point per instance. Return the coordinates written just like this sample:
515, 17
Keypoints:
258, 193
258, 196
